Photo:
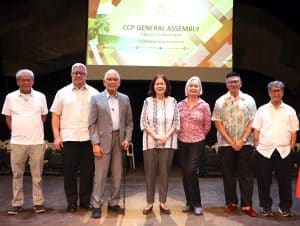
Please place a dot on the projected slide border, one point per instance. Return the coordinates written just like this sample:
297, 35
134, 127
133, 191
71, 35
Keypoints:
159, 34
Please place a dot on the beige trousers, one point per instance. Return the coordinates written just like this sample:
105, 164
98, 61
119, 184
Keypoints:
19, 156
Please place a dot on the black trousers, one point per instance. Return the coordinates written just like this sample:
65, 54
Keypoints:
190, 156
78, 155
282, 168
237, 165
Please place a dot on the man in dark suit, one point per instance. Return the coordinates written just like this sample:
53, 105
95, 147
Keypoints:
110, 127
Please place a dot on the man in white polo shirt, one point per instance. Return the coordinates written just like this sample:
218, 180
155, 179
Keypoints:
275, 133
25, 110
71, 135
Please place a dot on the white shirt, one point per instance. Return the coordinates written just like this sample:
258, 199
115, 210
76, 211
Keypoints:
72, 104
275, 127
26, 112
114, 110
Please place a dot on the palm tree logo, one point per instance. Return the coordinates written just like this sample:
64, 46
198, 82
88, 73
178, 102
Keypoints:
100, 27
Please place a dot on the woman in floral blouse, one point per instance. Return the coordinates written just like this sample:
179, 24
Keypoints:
195, 122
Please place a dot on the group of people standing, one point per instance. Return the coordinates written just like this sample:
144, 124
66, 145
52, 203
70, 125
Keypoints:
92, 129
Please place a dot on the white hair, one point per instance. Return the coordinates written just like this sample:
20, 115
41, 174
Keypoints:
111, 71
24, 71
77, 65
193, 78
278, 84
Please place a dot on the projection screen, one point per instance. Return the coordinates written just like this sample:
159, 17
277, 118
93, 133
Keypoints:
142, 38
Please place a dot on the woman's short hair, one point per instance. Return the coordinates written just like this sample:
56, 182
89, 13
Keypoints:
193, 78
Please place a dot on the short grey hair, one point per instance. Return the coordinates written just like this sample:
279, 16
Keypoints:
193, 78
78, 65
111, 71
26, 72
276, 83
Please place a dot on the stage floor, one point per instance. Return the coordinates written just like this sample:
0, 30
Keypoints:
212, 201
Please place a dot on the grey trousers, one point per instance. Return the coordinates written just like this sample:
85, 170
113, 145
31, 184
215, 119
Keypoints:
157, 161
101, 169
18, 158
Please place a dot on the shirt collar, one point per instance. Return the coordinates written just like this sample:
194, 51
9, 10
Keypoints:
108, 95
282, 105
22, 94
198, 101
75, 88
241, 95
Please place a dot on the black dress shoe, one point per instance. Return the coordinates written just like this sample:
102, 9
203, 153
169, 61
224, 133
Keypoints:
96, 212
86, 206
147, 211
72, 208
164, 210
116, 209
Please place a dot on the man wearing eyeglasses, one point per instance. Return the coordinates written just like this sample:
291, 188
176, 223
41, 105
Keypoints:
275, 134
110, 127
233, 114
71, 136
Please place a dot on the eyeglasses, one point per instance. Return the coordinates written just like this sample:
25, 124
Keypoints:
233, 81
112, 79
275, 90
78, 74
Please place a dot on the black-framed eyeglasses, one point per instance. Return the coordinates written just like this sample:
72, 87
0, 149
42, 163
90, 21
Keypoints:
78, 74
233, 81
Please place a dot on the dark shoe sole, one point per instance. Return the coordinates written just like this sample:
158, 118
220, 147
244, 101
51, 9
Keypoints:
88, 207
148, 211
15, 211
72, 208
164, 211
117, 210
96, 216
95, 213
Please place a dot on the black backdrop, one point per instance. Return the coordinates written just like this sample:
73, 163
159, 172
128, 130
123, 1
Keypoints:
49, 36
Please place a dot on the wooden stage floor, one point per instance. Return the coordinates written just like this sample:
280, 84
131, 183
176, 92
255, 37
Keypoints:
212, 201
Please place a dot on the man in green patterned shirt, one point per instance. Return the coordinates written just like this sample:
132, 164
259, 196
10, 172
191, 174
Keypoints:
233, 114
